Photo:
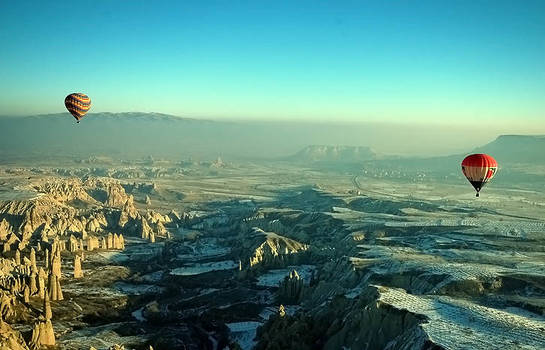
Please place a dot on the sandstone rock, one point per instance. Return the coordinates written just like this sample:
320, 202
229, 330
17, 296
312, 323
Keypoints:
291, 288
54, 287
33, 260
78, 273
42, 334
281, 311
270, 249
73, 244
17, 257
116, 196
41, 283
92, 243
144, 229
110, 241
48, 314
10, 339
26, 294
5, 229
32, 284
46, 259
7, 305
174, 216
55, 259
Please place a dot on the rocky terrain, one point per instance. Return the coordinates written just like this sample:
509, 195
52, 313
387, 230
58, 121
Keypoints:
222, 255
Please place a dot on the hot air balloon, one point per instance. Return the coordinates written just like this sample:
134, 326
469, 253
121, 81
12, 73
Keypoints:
77, 104
479, 169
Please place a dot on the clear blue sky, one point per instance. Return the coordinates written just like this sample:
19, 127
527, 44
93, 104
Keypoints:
412, 61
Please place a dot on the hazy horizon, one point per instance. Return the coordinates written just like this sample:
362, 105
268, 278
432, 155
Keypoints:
268, 138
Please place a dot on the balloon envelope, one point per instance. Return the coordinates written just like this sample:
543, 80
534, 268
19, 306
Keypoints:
479, 169
77, 104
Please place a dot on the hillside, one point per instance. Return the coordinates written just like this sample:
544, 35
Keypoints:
516, 149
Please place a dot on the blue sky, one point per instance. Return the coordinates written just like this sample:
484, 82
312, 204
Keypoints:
462, 62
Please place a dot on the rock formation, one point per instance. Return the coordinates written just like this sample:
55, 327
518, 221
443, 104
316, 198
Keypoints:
42, 334
10, 339
5, 229
92, 243
291, 288
17, 257
78, 272
270, 249
281, 311
54, 287
41, 283
144, 229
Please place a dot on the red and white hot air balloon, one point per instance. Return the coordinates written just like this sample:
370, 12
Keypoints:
479, 169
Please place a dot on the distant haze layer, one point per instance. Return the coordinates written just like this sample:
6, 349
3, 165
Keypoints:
142, 134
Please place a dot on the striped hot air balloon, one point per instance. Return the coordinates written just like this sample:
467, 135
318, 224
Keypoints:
77, 104
479, 169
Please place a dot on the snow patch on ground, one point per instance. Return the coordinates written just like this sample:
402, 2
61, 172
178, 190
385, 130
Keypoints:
460, 324
137, 314
244, 333
137, 289
197, 269
273, 277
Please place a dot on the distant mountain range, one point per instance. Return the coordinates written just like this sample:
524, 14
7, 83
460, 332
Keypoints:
516, 149
135, 134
